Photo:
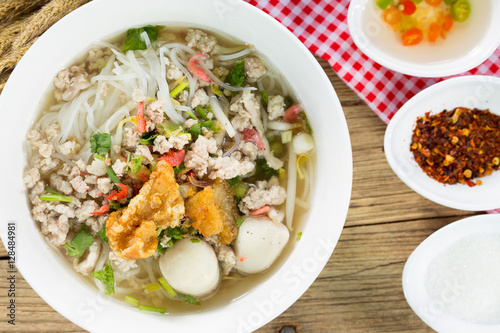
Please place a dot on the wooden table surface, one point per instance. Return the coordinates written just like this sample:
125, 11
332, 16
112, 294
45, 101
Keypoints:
359, 290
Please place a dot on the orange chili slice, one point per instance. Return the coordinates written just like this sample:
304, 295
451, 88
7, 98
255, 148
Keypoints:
434, 32
412, 37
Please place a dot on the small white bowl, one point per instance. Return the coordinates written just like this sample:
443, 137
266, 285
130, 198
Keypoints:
67, 40
467, 45
482, 92
431, 309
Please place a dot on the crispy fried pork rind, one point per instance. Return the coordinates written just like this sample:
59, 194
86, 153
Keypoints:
132, 231
214, 211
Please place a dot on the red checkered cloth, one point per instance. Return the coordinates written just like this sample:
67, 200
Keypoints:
322, 27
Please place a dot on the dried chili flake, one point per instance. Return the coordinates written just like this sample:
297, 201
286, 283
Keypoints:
457, 146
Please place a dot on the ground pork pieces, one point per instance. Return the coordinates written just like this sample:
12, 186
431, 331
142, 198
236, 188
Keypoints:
178, 143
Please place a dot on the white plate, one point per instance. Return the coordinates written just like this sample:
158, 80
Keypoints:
429, 309
482, 92
69, 38
467, 45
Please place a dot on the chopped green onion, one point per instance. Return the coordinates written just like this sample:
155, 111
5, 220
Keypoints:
307, 125
288, 102
180, 87
299, 235
48, 189
239, 221
192, 115
114, 205
264, 97
132, 300
188, 299
170, 291
238, 73
233, 181
99, 157
55, 197
151, 287
383, 4
127, 167
195, 240
286, 136
278, 148
181, 167
240, 189
102, 66
171, 129
216, 90
196, 129
151, 308
201, 111
114, 178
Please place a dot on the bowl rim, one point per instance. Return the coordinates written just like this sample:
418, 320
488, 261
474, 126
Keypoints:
262, 304
439, 69
413, 272
403, 167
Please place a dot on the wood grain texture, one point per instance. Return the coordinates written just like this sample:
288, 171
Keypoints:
359, 290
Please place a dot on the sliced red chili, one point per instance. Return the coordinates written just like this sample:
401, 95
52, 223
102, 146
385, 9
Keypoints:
291, 114
141, 122
101, 211
250, 134
174, 158
118, 195
409, 7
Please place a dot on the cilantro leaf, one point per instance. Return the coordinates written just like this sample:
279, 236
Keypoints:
148, 138
134, 40
100, 143
262, 167
195, 130
107, 278
238, 74
102, 234
137, 163
174, 233
82, 241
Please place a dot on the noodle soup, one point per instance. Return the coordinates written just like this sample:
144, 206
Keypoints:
171, 167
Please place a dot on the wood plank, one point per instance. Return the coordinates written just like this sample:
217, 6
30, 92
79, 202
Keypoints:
360, 289
32, 313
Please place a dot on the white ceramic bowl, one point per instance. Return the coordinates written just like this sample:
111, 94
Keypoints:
62, 288
482, 92
467, 45
431, 309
